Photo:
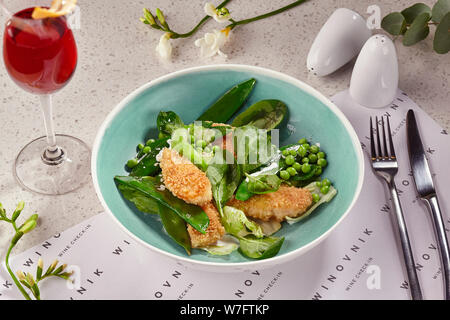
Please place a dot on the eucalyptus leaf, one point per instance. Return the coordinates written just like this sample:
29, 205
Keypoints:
418, 30
264, 114
412, 12
440, 9
441, 42
394, 23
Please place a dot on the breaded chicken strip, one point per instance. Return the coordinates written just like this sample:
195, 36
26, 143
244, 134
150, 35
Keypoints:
214, 232
184, 179
285, 202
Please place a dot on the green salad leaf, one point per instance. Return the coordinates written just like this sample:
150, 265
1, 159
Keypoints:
236, 223
260, 248
167, 123
253, 243
150, 187
313, 188
223, 247
264, 114
253, 147
224, 177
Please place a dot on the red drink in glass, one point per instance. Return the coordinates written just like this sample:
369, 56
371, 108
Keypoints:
40, 55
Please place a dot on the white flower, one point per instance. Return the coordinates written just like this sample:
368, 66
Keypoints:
220, 15
211, 43
164, 47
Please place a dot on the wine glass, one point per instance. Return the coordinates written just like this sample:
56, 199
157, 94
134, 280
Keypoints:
40, 57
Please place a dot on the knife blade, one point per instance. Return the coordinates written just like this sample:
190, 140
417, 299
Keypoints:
419, 164
427, 192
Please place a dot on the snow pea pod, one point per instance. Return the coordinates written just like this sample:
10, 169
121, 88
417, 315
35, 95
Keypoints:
150, 187
224, 108
175, 227
147, 164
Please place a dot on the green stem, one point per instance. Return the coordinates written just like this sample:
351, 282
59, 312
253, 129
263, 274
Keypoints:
13, 276
176, 35
266, 15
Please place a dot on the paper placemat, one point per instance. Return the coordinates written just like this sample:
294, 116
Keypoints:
359, 260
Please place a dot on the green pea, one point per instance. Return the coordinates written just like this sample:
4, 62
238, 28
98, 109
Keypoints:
326, 182
318, 171
305, 160
306, 146
290, 160
297, 166
199, 149
292, 172
293, 152
306, 168
140, 146
192, 139
312, 158
322, 162
314, 149
302, 151
315, 197
146, 149
215, 149
212, 139
132, 163
284, 175
321, 155
302, 141
207, 150
149, 141
285, 153
325, 189
201, 143
319, 184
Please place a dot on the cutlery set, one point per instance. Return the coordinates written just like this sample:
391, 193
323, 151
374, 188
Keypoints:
384, 164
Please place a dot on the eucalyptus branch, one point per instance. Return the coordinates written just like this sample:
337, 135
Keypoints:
413, 24
27, 280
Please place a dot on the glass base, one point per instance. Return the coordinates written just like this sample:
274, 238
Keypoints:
68, 172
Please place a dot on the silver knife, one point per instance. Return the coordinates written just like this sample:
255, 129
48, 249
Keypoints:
427, 192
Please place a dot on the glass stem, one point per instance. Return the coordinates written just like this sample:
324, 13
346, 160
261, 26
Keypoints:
52, 155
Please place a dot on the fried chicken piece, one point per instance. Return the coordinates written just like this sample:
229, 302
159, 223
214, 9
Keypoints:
184, 179
214, 232
285, 202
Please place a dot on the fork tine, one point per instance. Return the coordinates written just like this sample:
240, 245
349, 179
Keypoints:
386, 154
380, 155
391, 144
372, 142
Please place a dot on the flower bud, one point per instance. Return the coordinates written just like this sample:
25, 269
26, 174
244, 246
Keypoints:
18, 210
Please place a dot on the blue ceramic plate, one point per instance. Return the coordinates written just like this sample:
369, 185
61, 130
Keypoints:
189, 93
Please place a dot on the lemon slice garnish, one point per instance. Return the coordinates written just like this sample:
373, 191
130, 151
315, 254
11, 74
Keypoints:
57, 9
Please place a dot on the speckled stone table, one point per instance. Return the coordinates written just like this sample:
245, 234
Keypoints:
117, 55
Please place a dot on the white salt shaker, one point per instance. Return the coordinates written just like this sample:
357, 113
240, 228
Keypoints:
374, 80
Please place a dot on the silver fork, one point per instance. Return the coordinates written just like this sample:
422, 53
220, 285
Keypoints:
385, 165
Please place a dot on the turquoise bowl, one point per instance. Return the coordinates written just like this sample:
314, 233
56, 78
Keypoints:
189, 92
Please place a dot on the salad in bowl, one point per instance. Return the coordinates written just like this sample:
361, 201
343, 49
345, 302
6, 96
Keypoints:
222, 187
